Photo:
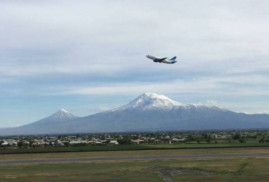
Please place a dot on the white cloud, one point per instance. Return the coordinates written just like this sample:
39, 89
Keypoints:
97, 35
103, 108
247, 85
212, 102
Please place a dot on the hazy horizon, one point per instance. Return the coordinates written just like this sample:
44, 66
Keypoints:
63, 110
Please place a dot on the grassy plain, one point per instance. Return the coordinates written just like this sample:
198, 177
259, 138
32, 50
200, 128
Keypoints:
133, 153
10, 150
231, 169
211, 169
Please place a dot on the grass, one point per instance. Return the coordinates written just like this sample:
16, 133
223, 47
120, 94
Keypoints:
211, 169
228, 169
132, 153
243, 169
126, 147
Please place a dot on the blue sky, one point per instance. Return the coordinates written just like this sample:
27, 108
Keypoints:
89, 56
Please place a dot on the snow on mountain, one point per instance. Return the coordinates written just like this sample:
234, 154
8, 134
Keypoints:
60, 117
149, 101
55, 123
62, 114
153, 101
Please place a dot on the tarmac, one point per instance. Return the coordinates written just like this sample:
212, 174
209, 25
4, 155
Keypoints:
130, 158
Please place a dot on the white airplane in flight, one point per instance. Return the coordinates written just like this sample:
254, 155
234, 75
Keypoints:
162, 60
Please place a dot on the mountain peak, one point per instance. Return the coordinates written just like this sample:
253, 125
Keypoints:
62, 114
153, 96
63, 110
150, 101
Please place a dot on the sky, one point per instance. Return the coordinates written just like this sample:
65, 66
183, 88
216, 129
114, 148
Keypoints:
89, 56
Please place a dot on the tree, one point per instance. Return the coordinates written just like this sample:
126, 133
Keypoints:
124, 141
237, 136
20, 143
208, 140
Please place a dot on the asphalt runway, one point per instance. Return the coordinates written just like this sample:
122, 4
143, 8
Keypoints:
130, 158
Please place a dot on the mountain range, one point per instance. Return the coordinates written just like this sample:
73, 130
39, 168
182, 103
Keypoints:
148, 112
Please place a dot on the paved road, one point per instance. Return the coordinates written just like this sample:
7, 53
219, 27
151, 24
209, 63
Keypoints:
130, 158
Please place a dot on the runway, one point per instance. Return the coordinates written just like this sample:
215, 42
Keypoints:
130, 158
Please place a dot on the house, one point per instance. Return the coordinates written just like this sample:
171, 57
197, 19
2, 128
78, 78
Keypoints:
137, 141
178, 140
114, 142
4, 143
77, 142
58, 143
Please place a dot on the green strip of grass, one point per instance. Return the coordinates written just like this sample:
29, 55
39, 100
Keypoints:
89, 148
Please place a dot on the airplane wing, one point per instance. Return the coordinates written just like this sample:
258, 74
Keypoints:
162, 59
151, 57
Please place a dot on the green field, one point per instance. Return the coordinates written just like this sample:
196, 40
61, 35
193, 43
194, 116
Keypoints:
86, 148
133, 153
243, 169
211, 169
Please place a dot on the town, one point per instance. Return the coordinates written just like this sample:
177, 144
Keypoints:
171, 137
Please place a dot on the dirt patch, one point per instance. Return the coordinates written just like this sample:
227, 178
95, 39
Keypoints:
168, 173
9, 177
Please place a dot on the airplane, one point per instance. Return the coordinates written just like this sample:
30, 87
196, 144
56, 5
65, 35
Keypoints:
163, 60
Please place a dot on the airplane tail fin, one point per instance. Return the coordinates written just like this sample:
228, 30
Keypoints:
173, 59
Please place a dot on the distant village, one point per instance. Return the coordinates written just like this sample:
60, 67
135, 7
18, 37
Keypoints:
187, 137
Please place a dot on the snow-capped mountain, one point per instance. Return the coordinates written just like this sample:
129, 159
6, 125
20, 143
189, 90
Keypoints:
153, 101
60, 116
151, 112
148, 101
50, 124
148, 112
